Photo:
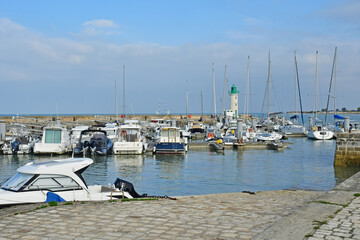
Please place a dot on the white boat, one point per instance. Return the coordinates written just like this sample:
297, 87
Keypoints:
75, 133
268, 136
111, 131
319, 132
55, 140
19, 145
58, 180
170, 142
130, 140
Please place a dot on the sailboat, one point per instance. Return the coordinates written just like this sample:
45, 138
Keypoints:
295, 129
319, 131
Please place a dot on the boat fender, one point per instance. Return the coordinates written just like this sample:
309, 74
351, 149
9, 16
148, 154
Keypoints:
123, 133
53, 197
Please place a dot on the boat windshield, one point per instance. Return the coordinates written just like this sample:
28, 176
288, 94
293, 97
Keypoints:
17, 181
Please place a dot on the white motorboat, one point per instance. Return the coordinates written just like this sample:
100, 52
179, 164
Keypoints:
20, 145
58, 180
55, 140
268, 136
130, 140
75, 133
170, 142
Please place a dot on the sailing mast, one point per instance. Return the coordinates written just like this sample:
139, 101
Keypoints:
246, 102
298, 85
316, 87
223, 103
331, 78
124, 91
202, 107
187, 100
267, 92
214, 97
116, 108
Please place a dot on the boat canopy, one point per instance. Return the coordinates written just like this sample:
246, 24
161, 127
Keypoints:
338, 117
294, 117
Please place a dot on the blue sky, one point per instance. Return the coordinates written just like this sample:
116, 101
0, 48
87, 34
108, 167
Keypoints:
66, 55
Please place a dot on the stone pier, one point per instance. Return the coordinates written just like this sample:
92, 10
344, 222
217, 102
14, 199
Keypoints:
347, 149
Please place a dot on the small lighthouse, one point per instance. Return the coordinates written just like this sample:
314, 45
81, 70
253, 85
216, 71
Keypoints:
234, 106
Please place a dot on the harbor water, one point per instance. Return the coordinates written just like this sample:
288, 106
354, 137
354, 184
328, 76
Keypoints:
305, 164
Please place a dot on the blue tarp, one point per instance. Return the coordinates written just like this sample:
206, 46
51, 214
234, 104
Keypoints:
50, 196
338, 117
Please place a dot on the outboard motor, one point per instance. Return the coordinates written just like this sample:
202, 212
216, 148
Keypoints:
126, 186
15, 146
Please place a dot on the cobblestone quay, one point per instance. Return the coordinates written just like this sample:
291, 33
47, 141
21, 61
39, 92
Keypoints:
219, 216
280, 215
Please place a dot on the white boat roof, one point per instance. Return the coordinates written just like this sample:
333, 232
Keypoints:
131, 121
80, 128
60, 166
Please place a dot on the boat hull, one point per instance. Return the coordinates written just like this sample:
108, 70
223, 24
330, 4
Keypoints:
170, 148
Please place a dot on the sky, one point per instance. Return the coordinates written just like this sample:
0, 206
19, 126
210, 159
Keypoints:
65, 56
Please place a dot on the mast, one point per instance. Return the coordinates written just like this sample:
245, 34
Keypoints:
187, 100
124, 91
116, 108
246, 102
316, 86
331, 78
223, 103
335, 90
268, 87
202, 109
298, 85
214, 97
267, 93
296, 88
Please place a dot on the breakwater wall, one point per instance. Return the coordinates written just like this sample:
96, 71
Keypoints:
347, 151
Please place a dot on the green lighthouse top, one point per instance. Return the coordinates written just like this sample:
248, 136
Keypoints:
233, 89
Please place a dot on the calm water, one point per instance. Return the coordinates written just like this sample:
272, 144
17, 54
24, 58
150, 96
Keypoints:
305, 164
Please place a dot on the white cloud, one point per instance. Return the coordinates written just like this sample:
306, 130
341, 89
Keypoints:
100, 23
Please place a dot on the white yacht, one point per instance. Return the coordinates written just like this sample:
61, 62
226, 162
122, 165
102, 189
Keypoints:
130, 140
319, 132
20, 145
58, 180
55, 140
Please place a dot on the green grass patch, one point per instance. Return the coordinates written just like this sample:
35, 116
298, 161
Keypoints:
42, 206
330, 203
114, 200
337, 211
68, 203
357, 195
16, 213
138, 199
53, 204
82, 202
308, 235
